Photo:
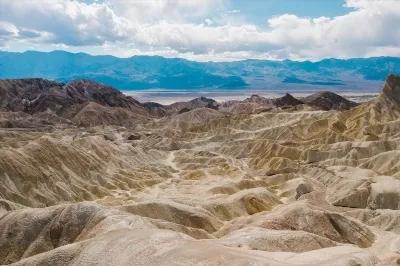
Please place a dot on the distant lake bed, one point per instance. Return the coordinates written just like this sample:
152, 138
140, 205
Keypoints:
163, 96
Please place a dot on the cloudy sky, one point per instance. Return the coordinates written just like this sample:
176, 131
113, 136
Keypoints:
203, 30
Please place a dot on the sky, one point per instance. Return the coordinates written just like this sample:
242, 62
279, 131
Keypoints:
204, 30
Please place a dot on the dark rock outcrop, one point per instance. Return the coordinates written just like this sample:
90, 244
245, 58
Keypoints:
38, 95
287, 100
86, 103
326, 100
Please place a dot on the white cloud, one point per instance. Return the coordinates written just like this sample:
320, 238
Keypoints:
156, 10
64, 21
208, 21
169, 28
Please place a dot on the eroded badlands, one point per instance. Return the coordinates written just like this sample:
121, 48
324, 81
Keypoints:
291, 186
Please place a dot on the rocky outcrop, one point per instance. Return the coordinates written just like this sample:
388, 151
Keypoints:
82, 102
200, 102
326, 100
287, 100
257, 104
391, 89
25, 94
38, 95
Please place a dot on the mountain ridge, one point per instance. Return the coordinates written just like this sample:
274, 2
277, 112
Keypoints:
146, 72
210, 61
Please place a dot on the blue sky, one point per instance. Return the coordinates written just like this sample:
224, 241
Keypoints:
203, 30
257, 11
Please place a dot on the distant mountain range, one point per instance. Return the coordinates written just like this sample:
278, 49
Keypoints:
146, 72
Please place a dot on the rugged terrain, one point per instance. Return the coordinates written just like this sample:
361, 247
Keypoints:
287, 181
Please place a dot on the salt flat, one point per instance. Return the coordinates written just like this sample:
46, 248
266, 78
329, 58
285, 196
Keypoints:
171, 96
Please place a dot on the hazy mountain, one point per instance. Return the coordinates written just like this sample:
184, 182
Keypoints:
143, 72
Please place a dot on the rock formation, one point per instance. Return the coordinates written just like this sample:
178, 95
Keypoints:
326, 100
83, 102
